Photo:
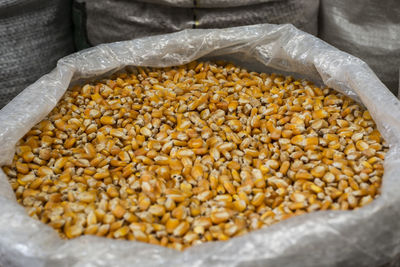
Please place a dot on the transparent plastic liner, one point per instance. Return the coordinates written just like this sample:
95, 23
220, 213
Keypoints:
368, 236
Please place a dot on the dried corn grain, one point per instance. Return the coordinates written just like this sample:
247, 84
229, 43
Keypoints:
195, 153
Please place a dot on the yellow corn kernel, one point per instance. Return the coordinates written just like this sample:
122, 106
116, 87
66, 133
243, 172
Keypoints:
302, 174
107, 120
218, 217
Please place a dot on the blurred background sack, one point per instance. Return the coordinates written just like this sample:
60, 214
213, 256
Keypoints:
367, 29
34, 34
109, 21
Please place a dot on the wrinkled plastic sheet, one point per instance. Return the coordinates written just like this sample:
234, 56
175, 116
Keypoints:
369, 236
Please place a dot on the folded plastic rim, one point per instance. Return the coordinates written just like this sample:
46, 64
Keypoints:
368, 236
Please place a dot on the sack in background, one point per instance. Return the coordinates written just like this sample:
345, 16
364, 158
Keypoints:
208, 3
34, 34
368, 236
110, 21
368, 29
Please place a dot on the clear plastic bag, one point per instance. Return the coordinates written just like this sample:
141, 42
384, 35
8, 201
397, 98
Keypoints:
368, 236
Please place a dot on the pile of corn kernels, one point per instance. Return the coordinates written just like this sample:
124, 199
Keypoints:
202, 152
